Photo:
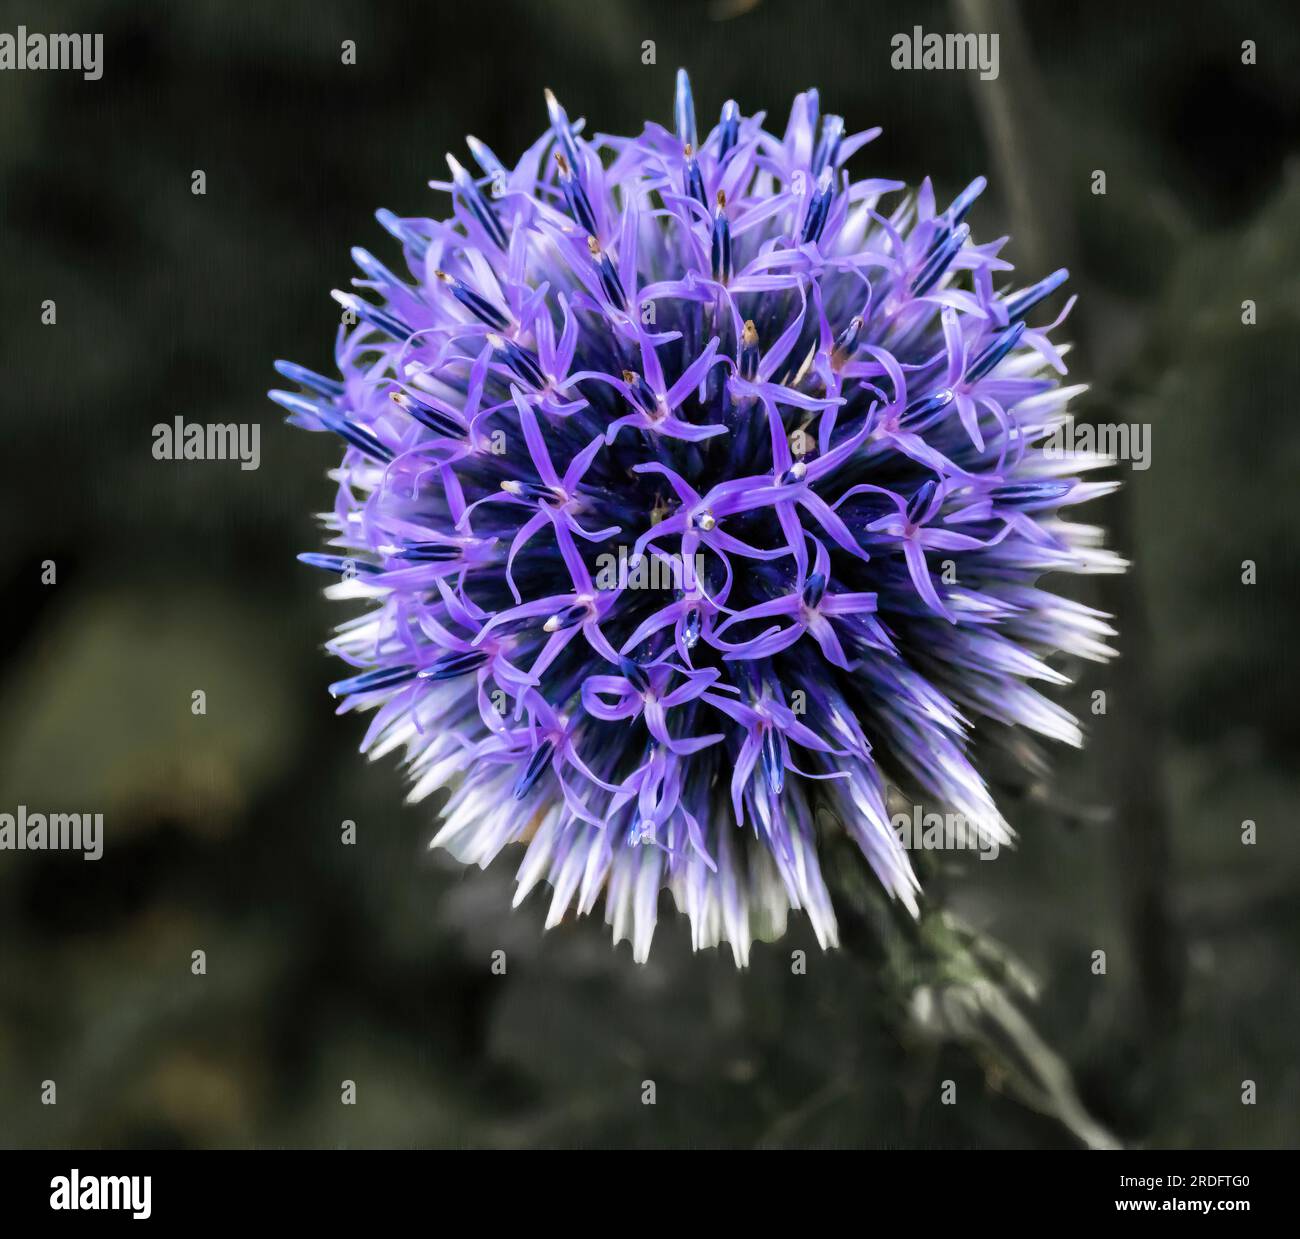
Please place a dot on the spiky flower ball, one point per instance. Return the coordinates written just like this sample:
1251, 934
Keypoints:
698, 501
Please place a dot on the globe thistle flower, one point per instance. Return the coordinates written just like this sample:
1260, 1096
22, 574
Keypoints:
697, 500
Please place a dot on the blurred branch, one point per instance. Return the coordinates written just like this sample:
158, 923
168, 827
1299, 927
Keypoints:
953, 984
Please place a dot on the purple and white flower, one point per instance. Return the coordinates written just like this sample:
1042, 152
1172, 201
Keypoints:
730, 352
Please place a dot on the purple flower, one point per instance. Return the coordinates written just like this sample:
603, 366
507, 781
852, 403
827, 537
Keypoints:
725, 357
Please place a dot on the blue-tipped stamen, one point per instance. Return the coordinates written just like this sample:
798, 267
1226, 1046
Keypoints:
691, 632
925, 406
430, 553
819, 207
298, 405
963, 202
939, 261
374, 317
609, 281
814, 590
749, 350
942, 231
1026, 300
399, 228
684, 110
1027, 494
920, 501
453, 666
377, 273
534, 492
428, 416
537, 763
846, 343
1001, 346
372, 681
773, 765
721, 241
309, 379
827, 154
486, 158
342, 565
475, 303
575, 196
634, 674
567, 618
642, 395
694, 178
360, 437
522, 362
728, 129
476, 204
562, 129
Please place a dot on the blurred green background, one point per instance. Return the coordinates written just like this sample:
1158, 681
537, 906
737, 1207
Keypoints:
371, 962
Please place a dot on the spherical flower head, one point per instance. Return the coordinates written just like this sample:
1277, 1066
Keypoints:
698, 502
